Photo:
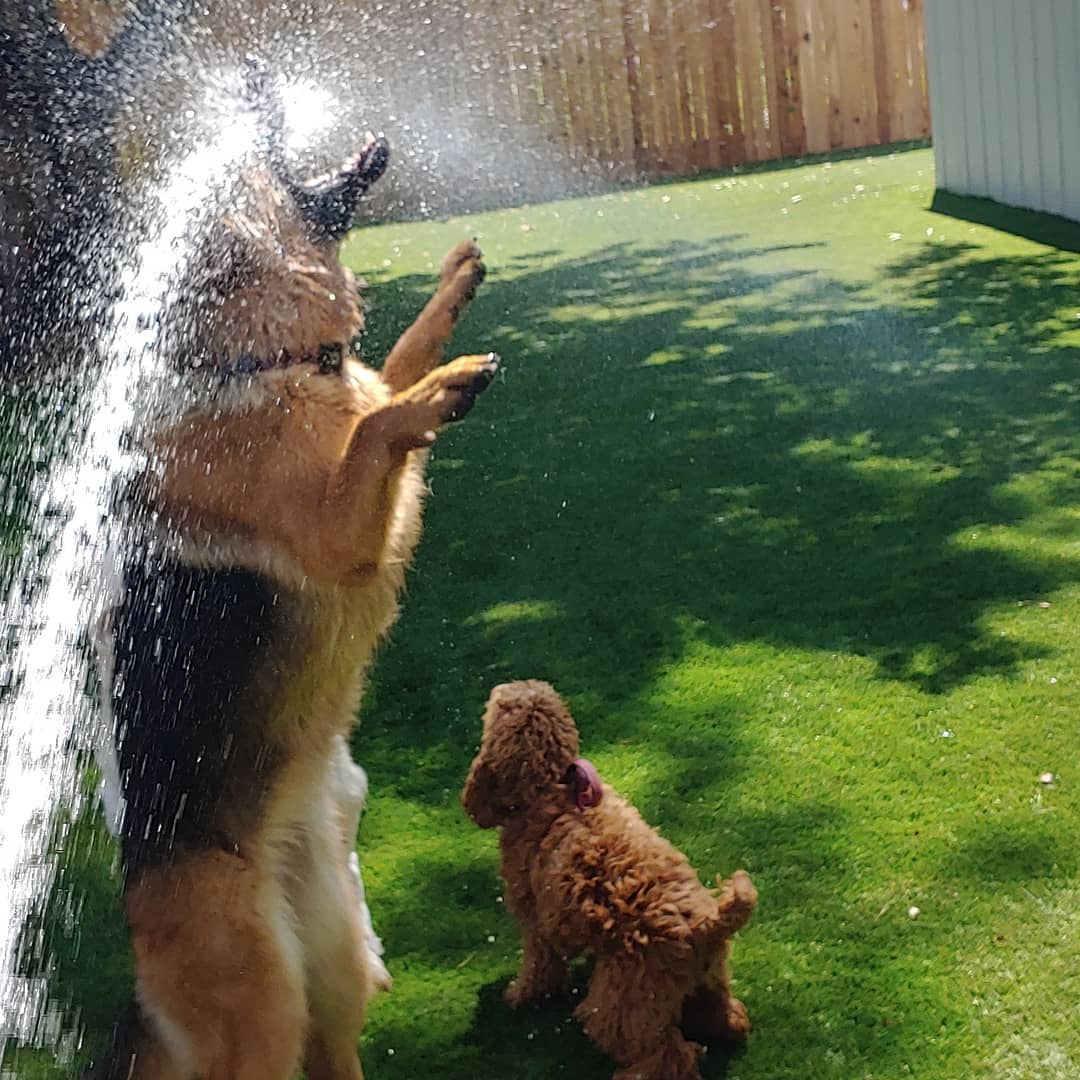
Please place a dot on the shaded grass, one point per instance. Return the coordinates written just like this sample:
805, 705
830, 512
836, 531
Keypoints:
777, 474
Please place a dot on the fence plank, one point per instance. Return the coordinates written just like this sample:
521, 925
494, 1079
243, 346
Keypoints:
770, 67
725, 70
883, 76
682, 157
812, 72
749, 64
611, 61
788, 38
631, 35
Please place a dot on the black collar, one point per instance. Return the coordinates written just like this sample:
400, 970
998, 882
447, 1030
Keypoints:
329, 358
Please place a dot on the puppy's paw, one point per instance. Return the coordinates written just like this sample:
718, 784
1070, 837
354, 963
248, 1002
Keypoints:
518, 994
736, 1021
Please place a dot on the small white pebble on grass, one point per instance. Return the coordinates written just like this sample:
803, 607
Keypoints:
913, 912
1046, 778
946, 734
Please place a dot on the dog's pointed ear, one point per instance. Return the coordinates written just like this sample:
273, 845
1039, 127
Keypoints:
327, 203
479, 796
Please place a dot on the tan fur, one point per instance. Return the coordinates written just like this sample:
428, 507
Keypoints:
278, 288
251, 962
601, 882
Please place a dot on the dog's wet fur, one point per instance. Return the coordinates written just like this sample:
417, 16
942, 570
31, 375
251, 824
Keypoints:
278, 516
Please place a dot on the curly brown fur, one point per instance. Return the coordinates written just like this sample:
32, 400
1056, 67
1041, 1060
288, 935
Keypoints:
602, 882
278, 515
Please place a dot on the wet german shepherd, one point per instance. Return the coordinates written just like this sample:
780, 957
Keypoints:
272, 531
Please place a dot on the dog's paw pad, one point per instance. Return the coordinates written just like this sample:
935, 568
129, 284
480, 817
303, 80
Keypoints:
465, 252
473, 386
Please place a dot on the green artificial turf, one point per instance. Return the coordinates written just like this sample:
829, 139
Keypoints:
780, 487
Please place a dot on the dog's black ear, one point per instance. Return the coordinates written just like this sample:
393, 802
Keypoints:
327, 203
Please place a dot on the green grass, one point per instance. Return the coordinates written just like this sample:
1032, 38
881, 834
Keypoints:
780, 487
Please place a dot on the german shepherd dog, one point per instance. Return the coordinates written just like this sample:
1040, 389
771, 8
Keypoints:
271, 533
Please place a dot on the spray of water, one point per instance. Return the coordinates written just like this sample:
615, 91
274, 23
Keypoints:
48, 705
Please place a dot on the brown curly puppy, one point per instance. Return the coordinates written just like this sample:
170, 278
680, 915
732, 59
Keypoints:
586, 875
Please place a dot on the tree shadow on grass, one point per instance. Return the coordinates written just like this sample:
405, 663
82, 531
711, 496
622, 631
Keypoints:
688, 450
804, 470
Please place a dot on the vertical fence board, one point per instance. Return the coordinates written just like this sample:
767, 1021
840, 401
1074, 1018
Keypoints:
771, 66
815, 101
788, 38
883, 76
750, 68
729, 116
634, 159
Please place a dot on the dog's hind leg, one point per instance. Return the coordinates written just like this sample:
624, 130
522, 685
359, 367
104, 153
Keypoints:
349, 784
631, 1012
219, 973
338, 968
543, 971
420, 349
712, 1013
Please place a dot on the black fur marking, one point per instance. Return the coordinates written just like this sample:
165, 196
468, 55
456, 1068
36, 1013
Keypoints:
190, 649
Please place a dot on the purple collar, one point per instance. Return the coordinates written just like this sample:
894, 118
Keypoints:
329, 358
585, 782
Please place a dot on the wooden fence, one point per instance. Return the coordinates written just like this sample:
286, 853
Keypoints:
677, 86
639, 87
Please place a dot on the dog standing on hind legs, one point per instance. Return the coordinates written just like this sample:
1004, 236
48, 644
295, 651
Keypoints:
585, 874
271, 535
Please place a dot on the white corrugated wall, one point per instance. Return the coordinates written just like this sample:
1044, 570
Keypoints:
1005, 100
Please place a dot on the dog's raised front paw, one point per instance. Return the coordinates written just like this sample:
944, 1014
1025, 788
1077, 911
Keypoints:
462, 273
446, 394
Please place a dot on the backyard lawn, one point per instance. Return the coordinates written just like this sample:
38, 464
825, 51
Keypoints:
780, 487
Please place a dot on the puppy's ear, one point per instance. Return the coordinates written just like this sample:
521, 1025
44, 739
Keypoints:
479, 796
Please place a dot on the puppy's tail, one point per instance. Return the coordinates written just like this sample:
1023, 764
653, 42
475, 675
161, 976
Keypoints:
734, 905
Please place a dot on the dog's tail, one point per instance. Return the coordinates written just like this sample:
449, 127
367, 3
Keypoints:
734, 905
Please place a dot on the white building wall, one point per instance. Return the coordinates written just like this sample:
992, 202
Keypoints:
1005, 100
